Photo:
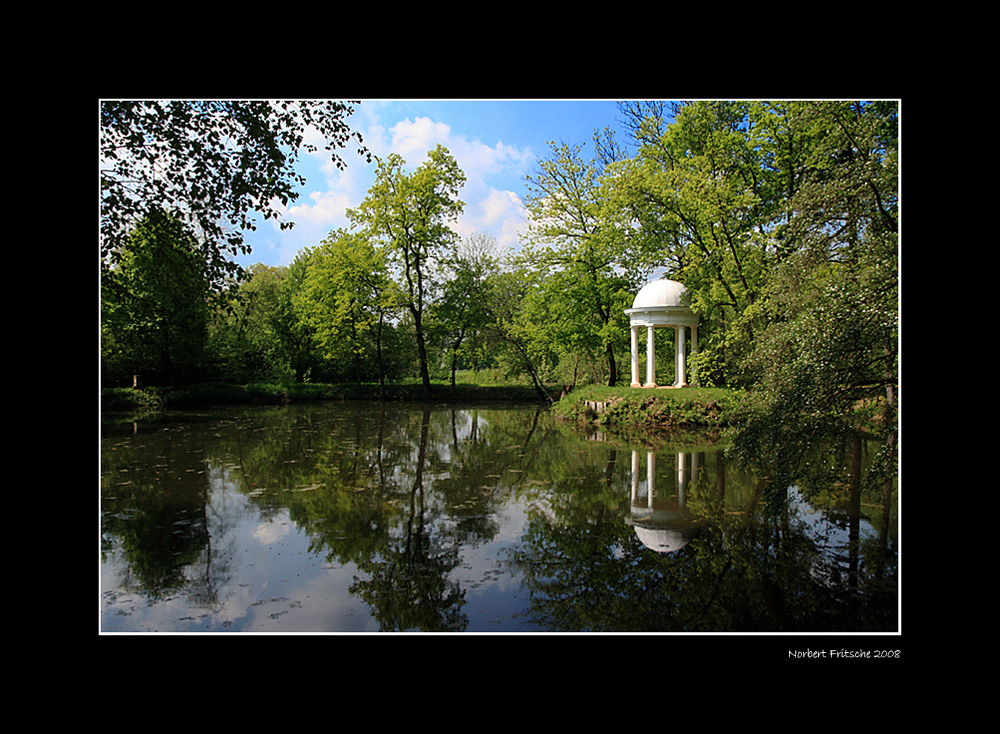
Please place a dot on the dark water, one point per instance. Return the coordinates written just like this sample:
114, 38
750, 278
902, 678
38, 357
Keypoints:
366, 517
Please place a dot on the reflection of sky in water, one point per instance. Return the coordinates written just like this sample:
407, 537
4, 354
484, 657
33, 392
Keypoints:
257, 574
265, 579
494, 600
261, 576
820, 528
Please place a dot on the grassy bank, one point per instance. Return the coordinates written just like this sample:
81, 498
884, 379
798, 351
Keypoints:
591, 404
154, 399
638, 408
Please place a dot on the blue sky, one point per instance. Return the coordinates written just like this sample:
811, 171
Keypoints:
496, 143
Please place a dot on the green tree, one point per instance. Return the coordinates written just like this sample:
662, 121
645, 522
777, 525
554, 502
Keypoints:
784, 148
409, 214
297, 341
699, 200
459, 315
215, 165
510, 328
243, 337
345, 300
826, 333
582, 307
155, 304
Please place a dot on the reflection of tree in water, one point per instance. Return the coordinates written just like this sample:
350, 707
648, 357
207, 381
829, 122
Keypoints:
396, 492
159, 533
754, 565
403, 493
463, 466
408, 586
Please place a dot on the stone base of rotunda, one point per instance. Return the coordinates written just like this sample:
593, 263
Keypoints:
654, 386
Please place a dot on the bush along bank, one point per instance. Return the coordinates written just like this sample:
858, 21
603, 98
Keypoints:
213, 394
648, 408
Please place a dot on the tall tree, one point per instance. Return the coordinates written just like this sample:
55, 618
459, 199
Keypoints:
215, 165
511, 329
410, 214
345, 300
460, 314
693, 201
825, 349
297, 340
242, 333
567, 239
155, 303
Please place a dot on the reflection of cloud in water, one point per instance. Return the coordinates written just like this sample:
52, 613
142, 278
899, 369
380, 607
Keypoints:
272, 530
513, 518
250, 568
493, 590
278, 585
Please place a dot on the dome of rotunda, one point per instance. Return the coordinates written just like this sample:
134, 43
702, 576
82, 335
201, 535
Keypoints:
659, 293
663, 540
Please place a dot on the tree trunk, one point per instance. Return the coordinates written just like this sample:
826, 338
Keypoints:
425, 375
454, 359
890, 431
378, 358
612, 367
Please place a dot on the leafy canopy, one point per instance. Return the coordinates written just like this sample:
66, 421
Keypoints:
215, 165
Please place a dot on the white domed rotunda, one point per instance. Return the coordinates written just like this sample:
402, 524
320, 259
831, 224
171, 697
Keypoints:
661, 304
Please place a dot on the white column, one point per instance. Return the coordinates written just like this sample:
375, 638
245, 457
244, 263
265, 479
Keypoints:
635, 356
681, 380
635, 477
650, 477
694, 343
650, 358
682, 479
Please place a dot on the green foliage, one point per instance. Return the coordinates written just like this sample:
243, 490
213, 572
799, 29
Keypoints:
129, 400
460, 315
634, 407
825, 340
154, 305
244, 332
579, 264
511, 331
410, 216
216, 165
345, 298
722, 194
779, 217
225, 394
696, 190
708, 367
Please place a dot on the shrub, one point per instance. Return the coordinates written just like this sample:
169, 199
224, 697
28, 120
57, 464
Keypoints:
131, 400
629, 406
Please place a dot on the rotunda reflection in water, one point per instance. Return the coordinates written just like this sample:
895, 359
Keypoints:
661, 519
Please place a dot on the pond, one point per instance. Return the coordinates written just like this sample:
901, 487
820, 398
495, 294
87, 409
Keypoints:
361, 517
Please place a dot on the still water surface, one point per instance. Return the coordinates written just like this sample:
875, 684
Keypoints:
368, 517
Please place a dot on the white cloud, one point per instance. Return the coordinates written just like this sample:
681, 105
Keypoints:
500, 213
327, 208
493, 176
500, 205
490, 204
412, 139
